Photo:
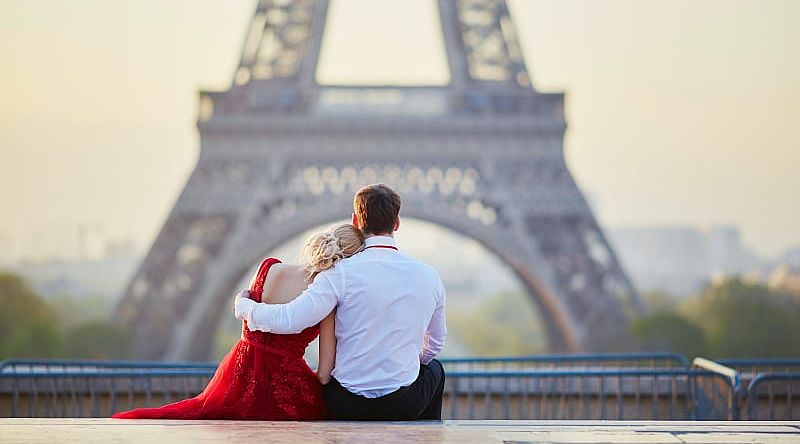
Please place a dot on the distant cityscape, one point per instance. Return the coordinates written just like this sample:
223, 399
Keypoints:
681, 260
678, 260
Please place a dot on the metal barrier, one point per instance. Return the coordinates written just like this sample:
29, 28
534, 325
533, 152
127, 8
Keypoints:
84, 365
580, 386
765, 387
94, 393
733, 381
772, 396
593, 361
597, 361
749, 368
553, 394
595, 395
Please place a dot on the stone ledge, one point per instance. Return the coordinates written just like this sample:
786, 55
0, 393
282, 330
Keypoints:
462, 432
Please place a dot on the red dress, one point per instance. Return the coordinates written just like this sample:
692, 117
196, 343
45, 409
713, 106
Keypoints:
263, 377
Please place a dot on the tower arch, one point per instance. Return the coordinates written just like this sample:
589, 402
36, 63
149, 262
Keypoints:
482, 156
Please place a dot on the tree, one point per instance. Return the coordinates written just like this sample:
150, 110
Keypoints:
28, 327
96, 340
666, 330
506, 324
742, 319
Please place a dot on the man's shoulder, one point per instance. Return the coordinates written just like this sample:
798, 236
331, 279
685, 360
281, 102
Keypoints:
341, 266
420, 266
353, 263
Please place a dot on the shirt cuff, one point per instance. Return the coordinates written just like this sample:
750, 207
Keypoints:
243, 307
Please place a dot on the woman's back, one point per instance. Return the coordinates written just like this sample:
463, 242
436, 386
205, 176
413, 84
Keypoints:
284, 283
263, 377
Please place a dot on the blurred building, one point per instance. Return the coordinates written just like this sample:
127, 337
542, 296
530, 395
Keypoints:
104, 276
680, 260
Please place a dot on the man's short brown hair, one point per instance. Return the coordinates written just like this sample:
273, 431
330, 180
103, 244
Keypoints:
377, 208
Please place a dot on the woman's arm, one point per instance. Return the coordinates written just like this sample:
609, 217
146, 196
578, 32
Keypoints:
327, 348
309, 309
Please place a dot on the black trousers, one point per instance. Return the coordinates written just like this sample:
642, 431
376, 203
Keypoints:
420, 400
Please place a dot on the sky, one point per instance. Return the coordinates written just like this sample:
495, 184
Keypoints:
679, 111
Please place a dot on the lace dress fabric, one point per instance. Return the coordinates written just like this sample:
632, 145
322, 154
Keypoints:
264, 377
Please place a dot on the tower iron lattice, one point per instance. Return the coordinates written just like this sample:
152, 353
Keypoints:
482, 155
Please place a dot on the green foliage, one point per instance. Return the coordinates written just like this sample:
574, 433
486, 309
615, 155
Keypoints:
746, 320
73, 311
731, 318
28, 327
226, 335
668, 331
506, 324
31, 327
96, 340
660, 301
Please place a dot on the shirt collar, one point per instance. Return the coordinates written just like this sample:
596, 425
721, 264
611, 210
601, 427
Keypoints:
379, 240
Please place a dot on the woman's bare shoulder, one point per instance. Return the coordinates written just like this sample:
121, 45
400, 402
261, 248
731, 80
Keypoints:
281, 269
284, 282
278, 267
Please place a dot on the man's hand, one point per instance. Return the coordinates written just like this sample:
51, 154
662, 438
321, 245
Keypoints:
239, 306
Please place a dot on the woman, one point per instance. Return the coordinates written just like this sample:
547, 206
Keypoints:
265, 376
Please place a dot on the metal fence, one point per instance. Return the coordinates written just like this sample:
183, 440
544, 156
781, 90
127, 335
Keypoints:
774, 396
95, 393
583, 361
659, 386
594, 395
595, 361
766, 388
21, 366
749, 368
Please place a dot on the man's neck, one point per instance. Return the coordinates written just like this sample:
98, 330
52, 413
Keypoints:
367, 236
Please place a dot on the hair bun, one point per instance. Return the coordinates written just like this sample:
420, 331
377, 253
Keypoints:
323, 250
330, 247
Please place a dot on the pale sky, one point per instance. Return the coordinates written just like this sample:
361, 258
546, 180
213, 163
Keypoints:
679, 111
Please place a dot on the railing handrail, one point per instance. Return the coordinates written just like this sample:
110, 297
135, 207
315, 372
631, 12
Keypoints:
555, 373
118, 374
677, 358
18, 362
755, 362
597, 357
752, 389
777, 376
716, 367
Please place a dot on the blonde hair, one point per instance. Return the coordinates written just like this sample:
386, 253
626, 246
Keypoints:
322, 250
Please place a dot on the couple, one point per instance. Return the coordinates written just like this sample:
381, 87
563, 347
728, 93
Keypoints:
379, 315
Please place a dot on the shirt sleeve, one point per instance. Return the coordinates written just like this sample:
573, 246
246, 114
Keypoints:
436, 334
307, 310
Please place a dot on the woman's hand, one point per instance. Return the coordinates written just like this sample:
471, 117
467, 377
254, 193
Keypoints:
244, 294
238, 310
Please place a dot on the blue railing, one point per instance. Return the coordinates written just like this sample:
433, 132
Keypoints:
582, 360
91, 393
626, 394
24, 365
621, 386
749, 368
766, 387
772, 396
596, 361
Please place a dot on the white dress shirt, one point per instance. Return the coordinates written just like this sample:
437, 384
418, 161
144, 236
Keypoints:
390, 316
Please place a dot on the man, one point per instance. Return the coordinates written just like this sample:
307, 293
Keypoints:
390, 321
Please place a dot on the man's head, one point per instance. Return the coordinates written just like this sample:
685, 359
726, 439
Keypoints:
376, 210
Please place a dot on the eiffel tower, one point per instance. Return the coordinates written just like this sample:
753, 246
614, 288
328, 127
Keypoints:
280, 154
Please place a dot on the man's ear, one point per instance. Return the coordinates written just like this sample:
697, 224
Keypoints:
355, 221
397, 224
